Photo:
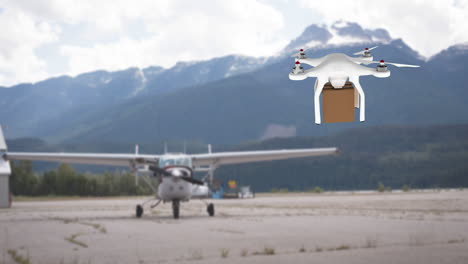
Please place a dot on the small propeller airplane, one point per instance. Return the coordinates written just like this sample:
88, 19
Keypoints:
337, 69
174, 172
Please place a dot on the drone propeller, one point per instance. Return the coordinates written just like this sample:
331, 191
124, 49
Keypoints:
299, 53
164, 172
383, 63
364, 51
394, 64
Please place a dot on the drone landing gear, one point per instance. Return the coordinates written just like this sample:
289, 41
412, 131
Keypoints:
210, 209
175, 208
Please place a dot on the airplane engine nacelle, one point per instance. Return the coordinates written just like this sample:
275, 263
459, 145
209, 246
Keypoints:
179, 171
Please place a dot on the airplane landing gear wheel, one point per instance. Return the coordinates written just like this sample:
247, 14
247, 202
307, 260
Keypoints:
210, 209
139, 211
175, 208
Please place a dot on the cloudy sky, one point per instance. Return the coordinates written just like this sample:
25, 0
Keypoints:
44, 38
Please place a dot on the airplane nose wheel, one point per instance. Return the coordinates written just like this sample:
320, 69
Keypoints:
139, 211
175, 208
210, 209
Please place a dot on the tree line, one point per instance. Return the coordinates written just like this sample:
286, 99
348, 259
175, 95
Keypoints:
64, 180
397, 157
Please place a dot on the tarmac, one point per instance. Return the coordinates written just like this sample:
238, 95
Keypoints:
428, 226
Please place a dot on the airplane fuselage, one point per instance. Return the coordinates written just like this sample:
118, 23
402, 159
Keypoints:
174, 187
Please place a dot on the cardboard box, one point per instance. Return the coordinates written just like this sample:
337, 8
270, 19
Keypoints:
338, 104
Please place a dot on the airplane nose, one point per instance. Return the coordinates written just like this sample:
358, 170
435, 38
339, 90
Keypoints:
176, 173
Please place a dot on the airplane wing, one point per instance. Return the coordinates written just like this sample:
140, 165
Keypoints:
222, 158
84, 158
198, 160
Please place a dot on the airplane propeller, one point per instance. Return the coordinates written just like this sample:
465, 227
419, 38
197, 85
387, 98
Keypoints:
158, 170
191, 180
362, 52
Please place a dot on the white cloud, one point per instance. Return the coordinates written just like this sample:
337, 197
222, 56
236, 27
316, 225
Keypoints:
188, 31
174, 30
104, 14
113, 56
19, 37
70, 37
426, 25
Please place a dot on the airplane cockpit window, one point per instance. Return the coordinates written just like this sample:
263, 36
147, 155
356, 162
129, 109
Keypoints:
183, 162
166, 162
179, 161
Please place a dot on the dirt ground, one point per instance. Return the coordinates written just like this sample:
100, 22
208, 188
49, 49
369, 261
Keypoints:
361, 227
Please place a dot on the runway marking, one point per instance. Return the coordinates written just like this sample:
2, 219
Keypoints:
227, 231
96, 226
72, 239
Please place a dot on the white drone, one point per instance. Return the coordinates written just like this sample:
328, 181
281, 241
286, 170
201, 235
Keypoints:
338, 68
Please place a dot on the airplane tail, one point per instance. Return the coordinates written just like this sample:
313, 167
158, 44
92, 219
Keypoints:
5, 171
3, 146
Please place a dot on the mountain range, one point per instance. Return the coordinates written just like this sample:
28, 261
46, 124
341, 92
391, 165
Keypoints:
235, 99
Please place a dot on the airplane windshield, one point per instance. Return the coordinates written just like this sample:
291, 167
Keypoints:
175, 161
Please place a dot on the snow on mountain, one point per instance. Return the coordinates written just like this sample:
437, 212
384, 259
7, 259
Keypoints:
455, 50
140, 74
339, 33
44, 107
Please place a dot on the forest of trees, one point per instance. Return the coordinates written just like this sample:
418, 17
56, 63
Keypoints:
66, 181
416, 157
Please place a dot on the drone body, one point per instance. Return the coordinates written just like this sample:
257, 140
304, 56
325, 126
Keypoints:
337, 70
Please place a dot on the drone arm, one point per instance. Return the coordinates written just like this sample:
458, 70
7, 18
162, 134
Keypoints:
361, 70
311, 72
311, 61
302, 75
359, 60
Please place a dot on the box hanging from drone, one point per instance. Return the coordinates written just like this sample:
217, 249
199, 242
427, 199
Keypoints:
338, 104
